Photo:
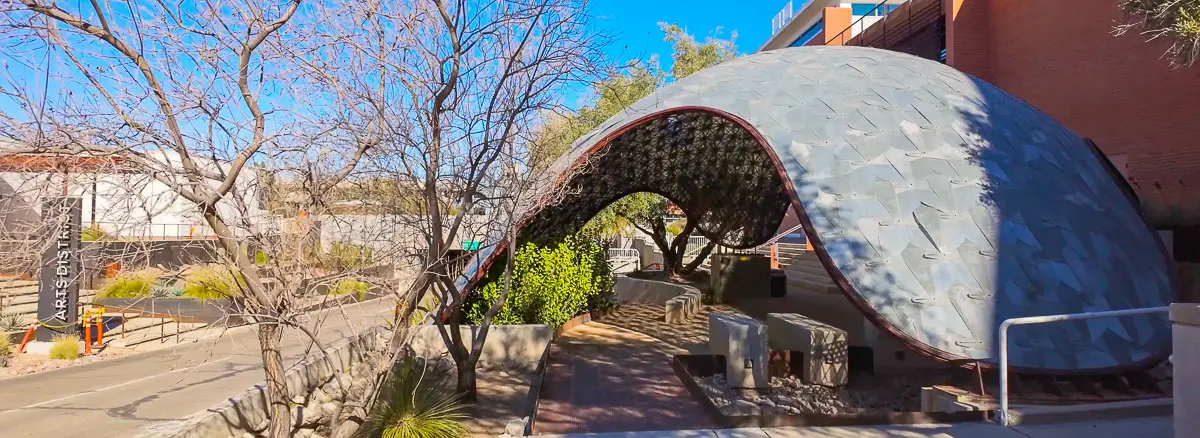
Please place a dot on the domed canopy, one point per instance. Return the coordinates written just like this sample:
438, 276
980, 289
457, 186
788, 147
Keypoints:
942, 205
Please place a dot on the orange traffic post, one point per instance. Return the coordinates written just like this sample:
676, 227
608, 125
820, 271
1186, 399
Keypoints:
774, 257
100, 327
87, 334
28, 335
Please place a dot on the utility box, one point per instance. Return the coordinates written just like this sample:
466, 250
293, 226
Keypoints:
740, 276
778, 283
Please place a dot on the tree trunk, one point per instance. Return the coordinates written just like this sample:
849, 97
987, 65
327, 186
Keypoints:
269, 336
704, 252
466, 380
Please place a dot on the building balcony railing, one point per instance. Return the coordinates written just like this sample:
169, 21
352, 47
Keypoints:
915, 27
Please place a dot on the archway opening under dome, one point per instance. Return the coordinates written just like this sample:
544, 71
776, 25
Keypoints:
710, 164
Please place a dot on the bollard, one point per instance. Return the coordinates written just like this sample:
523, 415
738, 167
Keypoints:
87, 333
100, 328
28, 335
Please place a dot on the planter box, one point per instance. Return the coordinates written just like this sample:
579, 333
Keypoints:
690, 367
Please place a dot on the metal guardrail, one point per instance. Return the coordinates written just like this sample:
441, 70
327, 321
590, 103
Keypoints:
1002, 414
843, 38
781, 19
726, 250
620, 257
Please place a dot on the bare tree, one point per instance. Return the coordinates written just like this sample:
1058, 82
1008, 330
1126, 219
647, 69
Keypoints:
455, 86
190, 95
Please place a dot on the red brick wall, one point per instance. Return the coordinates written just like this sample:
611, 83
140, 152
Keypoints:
967, 36
1061, 57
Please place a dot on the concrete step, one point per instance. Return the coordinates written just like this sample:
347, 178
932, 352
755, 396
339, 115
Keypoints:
19, 291
160, 333
807, 286
808, 269
30, 307
26, 298
133, 325
5, 285
809, 277
791, 246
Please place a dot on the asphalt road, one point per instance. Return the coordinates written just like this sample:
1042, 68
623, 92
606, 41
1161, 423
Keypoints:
132, 395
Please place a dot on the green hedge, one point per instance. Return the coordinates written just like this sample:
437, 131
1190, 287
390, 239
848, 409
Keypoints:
551, 284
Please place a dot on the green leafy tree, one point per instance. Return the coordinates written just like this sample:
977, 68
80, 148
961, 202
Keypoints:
1177, 20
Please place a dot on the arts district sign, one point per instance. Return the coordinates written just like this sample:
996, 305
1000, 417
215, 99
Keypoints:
58, 292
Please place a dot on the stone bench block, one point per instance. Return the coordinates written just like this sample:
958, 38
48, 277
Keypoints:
824, 347
743, 343
677, 310
695, 302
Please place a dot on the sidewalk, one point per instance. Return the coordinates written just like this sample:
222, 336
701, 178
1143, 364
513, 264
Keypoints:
1149, 427
134, 394
603, 378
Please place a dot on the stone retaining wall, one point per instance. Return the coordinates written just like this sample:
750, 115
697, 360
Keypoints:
636, 290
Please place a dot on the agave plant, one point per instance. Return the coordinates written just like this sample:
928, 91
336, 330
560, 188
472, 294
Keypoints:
416, 402
11, 322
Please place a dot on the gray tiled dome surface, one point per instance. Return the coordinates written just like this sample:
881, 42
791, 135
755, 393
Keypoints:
946, 204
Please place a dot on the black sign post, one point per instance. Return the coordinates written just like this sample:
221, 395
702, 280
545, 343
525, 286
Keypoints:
58, 291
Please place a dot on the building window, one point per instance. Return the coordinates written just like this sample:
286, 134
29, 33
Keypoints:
871, 10
809, 34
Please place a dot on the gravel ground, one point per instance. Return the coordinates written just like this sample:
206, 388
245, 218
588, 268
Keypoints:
789, 396
26, 363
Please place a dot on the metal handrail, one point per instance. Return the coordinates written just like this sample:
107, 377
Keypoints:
769, 242
1002, 414
623, 252
621, 257
857, 22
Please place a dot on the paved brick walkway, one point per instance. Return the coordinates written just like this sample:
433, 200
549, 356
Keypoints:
603, 378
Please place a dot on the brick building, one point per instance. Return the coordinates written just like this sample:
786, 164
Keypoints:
1062, 58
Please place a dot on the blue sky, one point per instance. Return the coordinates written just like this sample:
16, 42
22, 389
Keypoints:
635, 22
634, 26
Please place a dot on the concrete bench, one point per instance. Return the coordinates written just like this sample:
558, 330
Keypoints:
823, 347
743, 343
683, 307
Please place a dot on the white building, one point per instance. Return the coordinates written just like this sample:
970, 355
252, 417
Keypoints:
122, 201
825, 22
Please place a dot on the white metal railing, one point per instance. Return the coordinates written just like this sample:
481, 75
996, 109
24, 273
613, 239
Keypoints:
721, 249
617, 253
1002, 415
621, 257
782, 18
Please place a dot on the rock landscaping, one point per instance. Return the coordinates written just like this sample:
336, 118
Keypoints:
23, 364
789, 396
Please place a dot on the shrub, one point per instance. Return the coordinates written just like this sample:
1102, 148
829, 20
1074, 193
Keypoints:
212, 283
261, 258
11, 322
550, 284
6, 352
416, 401
349, 256
136, 284
92, 234
351, 286
65, 348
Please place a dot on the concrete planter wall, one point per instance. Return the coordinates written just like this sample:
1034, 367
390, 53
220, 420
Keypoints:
636, 290
516, 345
